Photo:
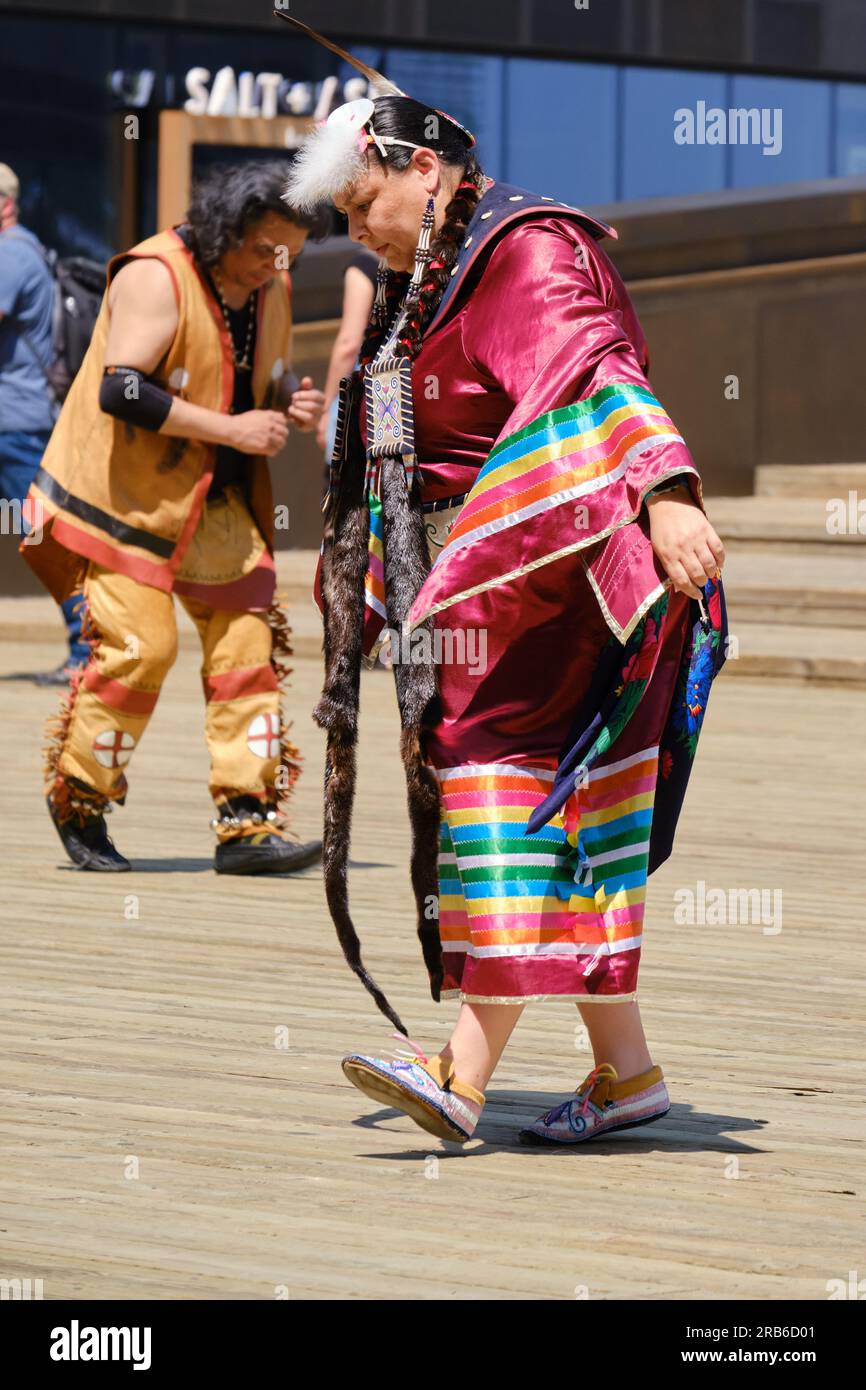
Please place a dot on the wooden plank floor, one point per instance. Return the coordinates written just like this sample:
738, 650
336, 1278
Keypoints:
148, 1045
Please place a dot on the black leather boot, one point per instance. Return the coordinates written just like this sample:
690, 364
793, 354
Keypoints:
79, 817
254, 841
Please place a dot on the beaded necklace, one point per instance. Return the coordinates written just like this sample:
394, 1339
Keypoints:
242, 364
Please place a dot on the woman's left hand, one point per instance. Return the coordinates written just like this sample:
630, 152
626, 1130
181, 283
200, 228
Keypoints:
687, 546
306, 407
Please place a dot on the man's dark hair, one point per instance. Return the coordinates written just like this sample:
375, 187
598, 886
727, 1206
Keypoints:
231, 198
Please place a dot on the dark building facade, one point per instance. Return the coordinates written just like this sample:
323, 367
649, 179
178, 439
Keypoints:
583, 102
787, 36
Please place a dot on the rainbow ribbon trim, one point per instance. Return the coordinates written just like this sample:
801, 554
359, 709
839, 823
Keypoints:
563, 455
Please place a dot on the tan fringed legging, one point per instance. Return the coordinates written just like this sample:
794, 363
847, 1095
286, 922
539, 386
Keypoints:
135, 648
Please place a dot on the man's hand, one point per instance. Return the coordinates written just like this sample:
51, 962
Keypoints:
307, 406
259, 432
687, 546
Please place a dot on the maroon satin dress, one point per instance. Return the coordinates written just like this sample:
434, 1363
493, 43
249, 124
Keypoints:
543, 323
546, 322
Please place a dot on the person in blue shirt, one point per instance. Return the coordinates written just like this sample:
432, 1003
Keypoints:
26, 408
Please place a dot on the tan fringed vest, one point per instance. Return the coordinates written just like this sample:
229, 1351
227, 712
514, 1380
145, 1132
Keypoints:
128, 498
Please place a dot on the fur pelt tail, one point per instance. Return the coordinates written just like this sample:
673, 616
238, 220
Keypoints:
344, 566
339, 795
406, 565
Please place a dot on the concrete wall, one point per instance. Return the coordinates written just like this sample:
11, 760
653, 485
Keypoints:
792, 336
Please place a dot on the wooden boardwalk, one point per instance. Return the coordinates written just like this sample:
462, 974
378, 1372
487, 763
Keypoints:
162, 1139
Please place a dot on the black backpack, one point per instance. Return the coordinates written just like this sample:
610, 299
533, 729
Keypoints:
79, 285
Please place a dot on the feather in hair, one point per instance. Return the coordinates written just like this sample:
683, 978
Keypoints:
383, 85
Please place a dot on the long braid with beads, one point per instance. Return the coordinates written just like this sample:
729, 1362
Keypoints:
406, 562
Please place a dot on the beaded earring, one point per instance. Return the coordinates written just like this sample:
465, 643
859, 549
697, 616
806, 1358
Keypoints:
380, 303
422, 251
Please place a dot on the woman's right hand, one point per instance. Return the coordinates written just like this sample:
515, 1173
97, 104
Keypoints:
259, 432
690, 551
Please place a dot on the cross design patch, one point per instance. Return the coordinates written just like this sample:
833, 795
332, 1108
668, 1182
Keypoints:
390, 417
387, 424
263, 736
113, 747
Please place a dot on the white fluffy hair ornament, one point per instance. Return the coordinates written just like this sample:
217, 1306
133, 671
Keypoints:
331, 157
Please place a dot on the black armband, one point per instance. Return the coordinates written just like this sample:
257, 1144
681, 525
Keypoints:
128, 394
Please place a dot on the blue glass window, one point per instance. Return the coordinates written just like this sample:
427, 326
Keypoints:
561, 129
654, 164
850, 152
804, 125
466, 85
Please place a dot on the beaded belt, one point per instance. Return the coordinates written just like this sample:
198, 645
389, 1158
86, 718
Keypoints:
442, 515
443, 503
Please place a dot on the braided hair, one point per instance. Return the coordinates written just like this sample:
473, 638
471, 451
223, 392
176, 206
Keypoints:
410, 120
405, 562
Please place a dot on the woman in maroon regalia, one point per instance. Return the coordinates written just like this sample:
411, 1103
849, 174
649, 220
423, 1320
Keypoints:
513, 506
